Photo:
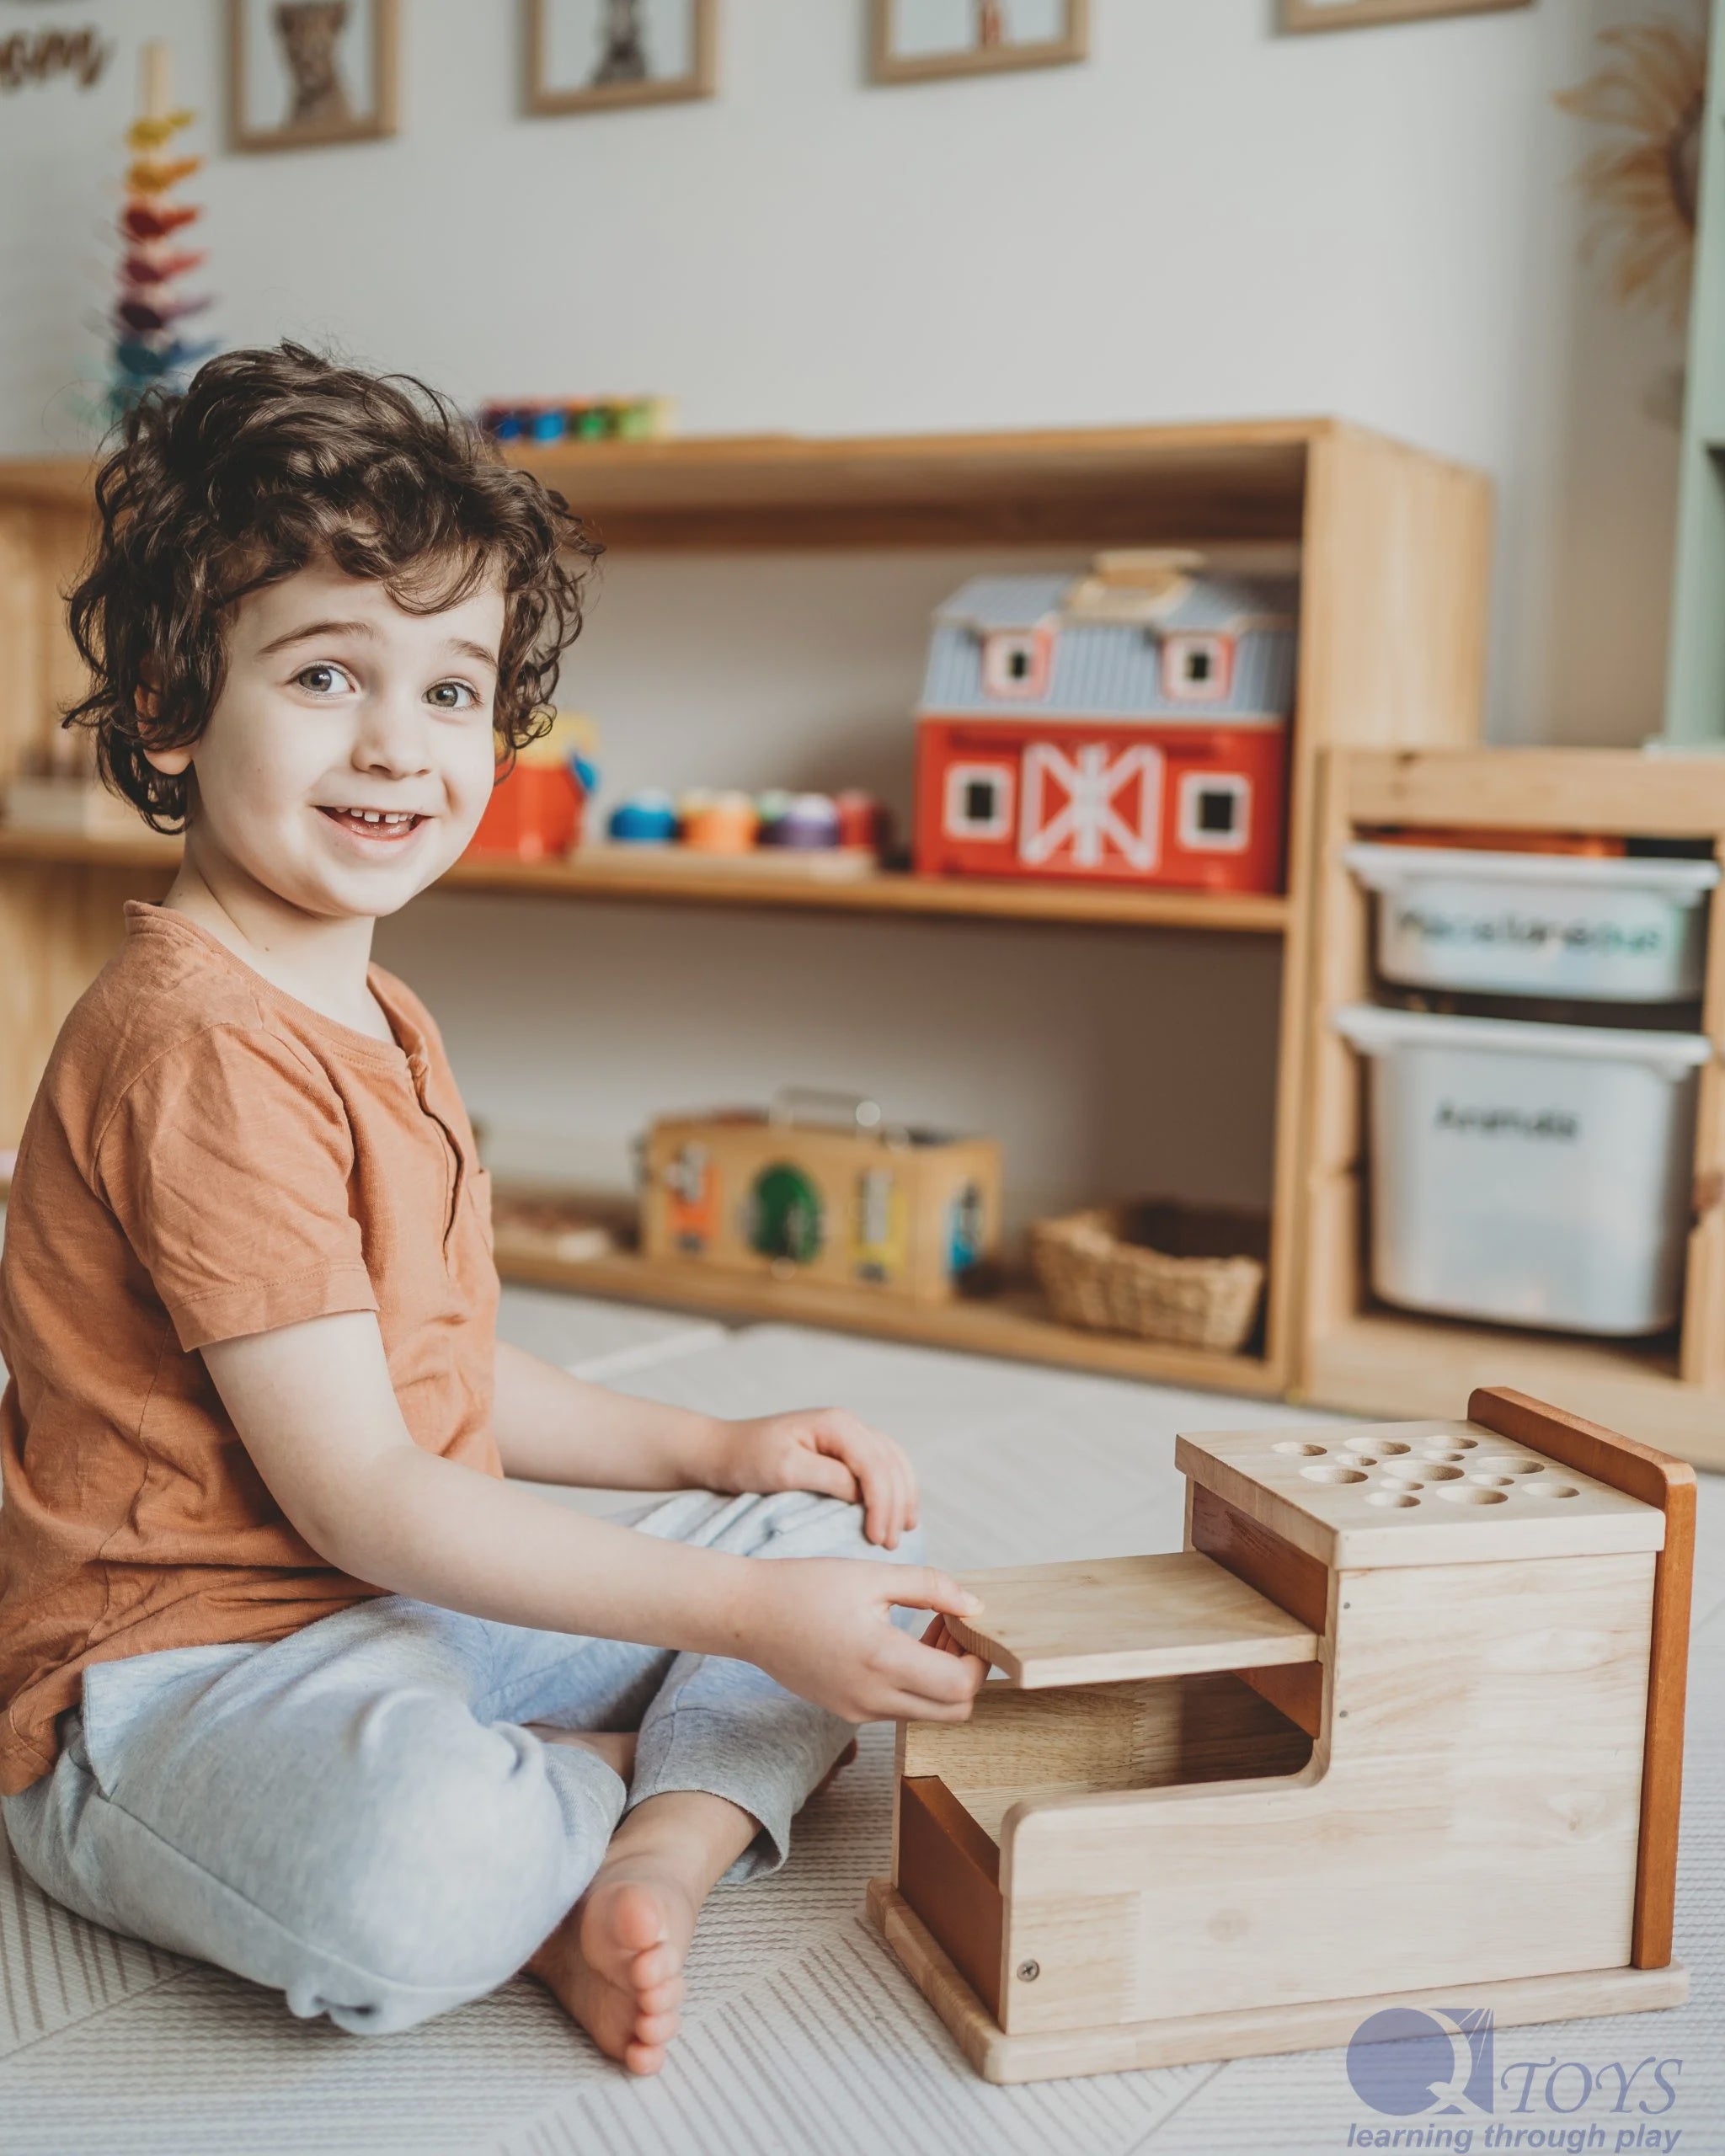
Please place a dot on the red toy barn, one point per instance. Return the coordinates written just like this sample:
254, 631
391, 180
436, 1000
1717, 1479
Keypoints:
1129, 726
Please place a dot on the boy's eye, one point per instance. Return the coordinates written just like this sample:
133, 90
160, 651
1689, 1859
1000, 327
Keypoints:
320, 678
445, 691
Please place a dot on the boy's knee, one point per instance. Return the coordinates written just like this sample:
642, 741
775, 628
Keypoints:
847, 1529
455, 1871
836, 1527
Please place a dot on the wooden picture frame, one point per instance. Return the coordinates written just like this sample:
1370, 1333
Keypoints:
700, 79
887, 63
337, 121
1362, 15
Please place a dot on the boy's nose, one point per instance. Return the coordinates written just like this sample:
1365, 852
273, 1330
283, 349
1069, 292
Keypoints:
392, 737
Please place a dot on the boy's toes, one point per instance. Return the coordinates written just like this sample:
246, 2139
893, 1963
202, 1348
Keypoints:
661, 1998
661, 1964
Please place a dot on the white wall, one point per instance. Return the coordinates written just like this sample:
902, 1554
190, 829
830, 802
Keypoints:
1209, 219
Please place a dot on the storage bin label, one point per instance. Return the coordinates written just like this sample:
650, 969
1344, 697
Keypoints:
1558, 1124
1594, 938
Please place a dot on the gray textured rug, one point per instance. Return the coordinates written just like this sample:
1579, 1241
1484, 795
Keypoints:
802, 2034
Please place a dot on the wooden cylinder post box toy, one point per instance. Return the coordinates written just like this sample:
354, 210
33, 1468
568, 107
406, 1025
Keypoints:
856, 1203
1400, 1726
1129, 726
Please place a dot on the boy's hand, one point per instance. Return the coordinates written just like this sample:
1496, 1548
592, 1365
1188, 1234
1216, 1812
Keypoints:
827, 1450
823, 1627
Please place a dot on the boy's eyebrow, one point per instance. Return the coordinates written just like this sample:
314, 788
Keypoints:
464, 645
471, 650
319, 629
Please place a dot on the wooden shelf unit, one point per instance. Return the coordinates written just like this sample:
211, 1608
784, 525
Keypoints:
1394, 547
1356, 1354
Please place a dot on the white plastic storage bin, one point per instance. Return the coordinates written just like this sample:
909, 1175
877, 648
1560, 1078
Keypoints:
1528, 1174
1538, 924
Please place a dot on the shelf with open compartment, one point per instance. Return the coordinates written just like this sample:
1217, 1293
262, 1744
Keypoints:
1357, 1352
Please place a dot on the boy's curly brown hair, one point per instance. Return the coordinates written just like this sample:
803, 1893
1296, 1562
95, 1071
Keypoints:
272, 458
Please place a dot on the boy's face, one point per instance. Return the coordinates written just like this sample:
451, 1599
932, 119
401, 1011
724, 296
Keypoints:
336, 702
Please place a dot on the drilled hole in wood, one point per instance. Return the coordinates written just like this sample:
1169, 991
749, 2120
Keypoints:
1303, 1451
1333, 1474
1399, 1498
1552, 1490
1408, 1471
1440, 1473
1470, 1494
1492, 1482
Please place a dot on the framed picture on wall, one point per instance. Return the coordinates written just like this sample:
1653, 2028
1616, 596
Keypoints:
919, 41
588, 55
305, 73
1356, 14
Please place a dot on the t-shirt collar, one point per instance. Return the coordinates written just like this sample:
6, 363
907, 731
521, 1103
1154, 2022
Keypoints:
409, 1048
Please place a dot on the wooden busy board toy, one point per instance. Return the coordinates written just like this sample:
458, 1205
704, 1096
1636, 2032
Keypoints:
1401, 1724
865, 1204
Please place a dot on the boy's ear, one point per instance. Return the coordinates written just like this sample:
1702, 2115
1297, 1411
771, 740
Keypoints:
170, 762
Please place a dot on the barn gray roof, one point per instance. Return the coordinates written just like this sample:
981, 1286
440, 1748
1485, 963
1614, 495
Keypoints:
1113, 669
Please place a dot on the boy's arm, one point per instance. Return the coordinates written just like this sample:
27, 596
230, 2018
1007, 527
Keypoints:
316, 1411
552, 1426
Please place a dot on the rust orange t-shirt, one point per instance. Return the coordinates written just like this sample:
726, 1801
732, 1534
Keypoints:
206, 1157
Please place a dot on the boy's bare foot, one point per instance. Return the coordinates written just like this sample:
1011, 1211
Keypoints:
615, 1961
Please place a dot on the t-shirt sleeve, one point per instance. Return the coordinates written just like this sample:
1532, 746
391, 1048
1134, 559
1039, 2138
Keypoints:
227, 1164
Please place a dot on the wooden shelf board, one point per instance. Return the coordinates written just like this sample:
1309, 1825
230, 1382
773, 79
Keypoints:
1015, 1325
1085, 486
1380, 1363
1617, 791
1104, 905
1079, 486
1118, 904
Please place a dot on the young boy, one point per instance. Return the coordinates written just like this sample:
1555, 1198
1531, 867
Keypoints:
294, 1680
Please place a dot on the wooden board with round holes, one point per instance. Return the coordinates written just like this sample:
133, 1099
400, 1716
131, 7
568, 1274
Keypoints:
1358, 1495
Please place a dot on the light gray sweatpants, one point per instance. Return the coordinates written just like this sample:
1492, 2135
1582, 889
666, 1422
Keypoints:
355, 1816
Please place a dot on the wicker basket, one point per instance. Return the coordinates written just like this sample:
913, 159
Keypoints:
1190, 1275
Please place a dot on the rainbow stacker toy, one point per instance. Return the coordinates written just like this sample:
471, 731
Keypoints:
149, 346
1400, 1726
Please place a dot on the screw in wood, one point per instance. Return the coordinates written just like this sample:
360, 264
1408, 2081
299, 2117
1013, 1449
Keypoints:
1028, 1972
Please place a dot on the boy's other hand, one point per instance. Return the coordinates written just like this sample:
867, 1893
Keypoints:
823, 1627
827, 1450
